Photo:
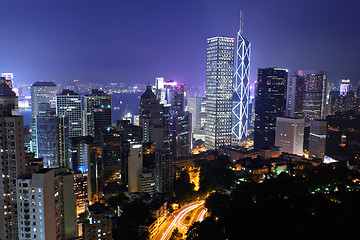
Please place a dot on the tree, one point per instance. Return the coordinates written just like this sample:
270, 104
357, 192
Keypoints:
183, 188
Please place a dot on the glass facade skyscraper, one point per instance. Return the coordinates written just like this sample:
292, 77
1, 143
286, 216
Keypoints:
241, 86
219, 92
315, 94
270, 102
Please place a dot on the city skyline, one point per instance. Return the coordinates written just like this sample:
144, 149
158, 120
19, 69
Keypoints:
136, 42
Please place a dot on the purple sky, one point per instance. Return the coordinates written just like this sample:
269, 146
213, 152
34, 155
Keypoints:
135, 41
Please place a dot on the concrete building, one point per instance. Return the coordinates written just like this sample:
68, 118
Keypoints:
295, 96
219, 91
164, 169
46, 205
99, 224
13, 165
135, 166
43, 92
289, 135
317, 138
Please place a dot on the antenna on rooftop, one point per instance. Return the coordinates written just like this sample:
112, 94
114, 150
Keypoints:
241, 22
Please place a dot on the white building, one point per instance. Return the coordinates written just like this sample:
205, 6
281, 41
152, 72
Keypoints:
289, 135
46, 205
317, 138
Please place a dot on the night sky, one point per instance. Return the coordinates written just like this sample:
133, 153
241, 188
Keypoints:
135, 41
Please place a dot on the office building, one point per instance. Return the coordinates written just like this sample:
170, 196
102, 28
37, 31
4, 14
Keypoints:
69, 104
241, 87
81, 191
270, 103
46, 205
344, 86
7, 78
43, 92
219, 92
295, 96
98, 110
290, 135
111, 150
194, 107
314, 95
150, 114
135, 166
164, 171
317, 138
13, 165
146, 182
52, 137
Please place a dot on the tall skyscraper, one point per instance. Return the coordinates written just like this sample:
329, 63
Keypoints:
270, 103
43, 92
315, 94
295, 96
98, 109
52, 137
69, 104
219, 92
150, 114
12, 161
241, 86
290, 135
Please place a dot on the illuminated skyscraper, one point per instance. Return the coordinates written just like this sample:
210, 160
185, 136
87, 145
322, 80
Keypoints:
98, 109
314, 95
69, 104
270, 103
219, 92
241, 86
344, 86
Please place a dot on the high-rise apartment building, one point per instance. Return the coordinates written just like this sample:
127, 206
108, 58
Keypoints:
69, 104
219, 92
241, 86
314, 95
46, 205
290, 135
98, 110
135, 166
270, 103
12, 161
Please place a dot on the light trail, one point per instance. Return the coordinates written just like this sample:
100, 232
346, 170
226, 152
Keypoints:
202, 215
178, 216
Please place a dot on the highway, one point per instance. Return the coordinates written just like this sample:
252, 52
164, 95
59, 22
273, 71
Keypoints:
196, 211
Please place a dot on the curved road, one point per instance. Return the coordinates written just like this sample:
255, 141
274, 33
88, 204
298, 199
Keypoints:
196, 209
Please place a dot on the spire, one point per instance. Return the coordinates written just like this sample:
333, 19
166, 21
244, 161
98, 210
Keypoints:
241, 22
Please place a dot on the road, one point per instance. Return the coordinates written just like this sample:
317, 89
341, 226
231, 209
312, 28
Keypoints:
196, 211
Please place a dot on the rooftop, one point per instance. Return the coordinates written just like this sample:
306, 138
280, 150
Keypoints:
48, 84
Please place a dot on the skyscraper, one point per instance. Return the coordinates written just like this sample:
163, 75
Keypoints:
241, 86
219, 92
295, 96
98, 110
150, 114
13, 165
69, 104
43, 92
314, 95
270, 102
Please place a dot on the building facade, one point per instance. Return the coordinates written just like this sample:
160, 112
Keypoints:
270, 103
241, 86
219, 92
290, 135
